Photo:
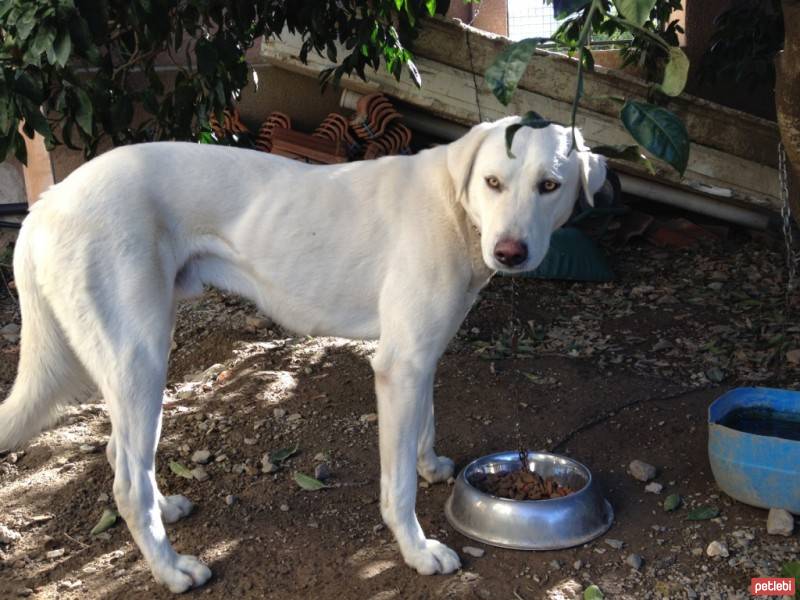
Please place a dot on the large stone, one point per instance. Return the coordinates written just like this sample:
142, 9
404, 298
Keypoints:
642, 470
780, 522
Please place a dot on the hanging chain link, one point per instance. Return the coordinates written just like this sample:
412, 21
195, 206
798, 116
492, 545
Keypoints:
792, 257
515, 335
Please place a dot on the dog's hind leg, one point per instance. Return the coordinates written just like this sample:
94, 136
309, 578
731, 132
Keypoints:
431, 467
120, 325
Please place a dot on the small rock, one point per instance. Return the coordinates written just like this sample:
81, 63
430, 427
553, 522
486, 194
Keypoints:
87, 449
201, 457
212, 371
254, 323
102, 498
793, 356
230, 499
266, 465
7, 535
566, 590
424, 484
250, 441
378, 528
451, 481
322, 471
24, 592
473, 551
294, 417
555, 564
716, 548
221, 458
653, 487
225, 376
10, 332
55, 553
321, 457
616, 544
368, 418
642, 470
199, 473
279, 413
577, 565
285, 507
634, 560
780, 522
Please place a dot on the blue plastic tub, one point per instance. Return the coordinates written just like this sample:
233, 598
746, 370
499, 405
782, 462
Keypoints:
761, 470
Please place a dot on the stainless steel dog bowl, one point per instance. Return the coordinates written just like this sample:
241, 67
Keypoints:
529, 524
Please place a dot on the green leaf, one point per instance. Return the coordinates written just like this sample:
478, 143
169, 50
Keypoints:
84, 111
308, 483
703, 513
431, 6
529, 119
631, 154
180, 470
593, 593
564, 8
791, 569
637, 11
62, 48
660, 132
672, 502
281, 455
504, 73
675, 73
107, 521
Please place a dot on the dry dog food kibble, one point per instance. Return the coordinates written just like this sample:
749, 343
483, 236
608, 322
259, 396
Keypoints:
520, 485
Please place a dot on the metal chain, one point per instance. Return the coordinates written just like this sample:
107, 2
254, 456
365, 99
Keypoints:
522, 450
792, 257
515, 334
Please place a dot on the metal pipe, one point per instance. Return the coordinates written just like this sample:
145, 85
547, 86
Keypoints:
703, 205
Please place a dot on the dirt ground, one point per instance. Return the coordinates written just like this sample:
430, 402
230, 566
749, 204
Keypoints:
605, 373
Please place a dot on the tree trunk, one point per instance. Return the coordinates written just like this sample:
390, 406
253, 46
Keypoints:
787, 98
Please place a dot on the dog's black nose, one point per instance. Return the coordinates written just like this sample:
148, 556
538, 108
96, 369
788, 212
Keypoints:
511, 252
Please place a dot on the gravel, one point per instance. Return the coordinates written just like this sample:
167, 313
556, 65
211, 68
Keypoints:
8, 535
780, 522
634, 560
201, 457
717, 548
473, 551
642, 470
653, 487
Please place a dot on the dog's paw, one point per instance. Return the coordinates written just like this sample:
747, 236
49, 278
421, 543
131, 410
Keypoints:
174, 508
434, 557
184, 573
441, 469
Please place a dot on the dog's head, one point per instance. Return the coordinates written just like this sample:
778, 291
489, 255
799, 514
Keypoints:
517, 203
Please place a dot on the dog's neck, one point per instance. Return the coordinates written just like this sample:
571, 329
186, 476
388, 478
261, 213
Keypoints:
471, 236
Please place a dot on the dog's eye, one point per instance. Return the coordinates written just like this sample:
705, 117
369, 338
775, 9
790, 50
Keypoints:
548, 185
493, 182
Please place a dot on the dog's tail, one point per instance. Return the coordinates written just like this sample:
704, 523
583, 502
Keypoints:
49, 376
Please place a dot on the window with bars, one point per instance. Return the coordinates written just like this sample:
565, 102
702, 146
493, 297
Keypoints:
530, 18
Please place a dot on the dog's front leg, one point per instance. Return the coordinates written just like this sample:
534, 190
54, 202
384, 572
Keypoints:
403, 408
431, 467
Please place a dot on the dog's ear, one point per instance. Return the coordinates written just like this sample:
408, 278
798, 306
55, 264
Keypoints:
461, 156
593, 173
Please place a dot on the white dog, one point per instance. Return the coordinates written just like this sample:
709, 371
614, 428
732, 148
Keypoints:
394, 249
